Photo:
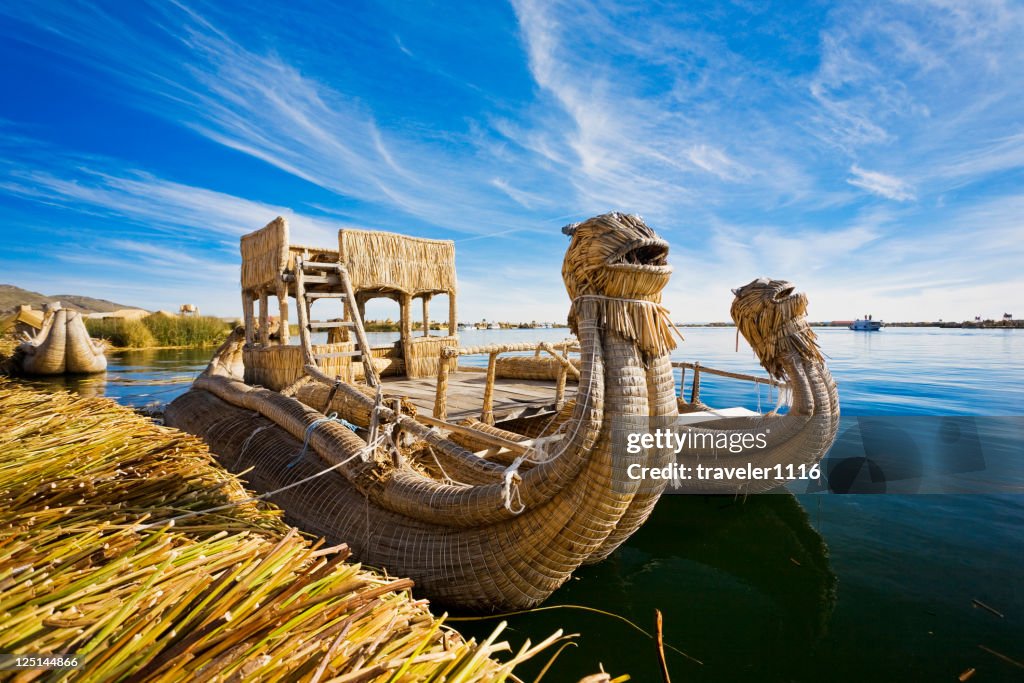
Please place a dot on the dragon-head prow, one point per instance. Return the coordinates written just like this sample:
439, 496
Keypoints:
772, 316
615, 255
615, 270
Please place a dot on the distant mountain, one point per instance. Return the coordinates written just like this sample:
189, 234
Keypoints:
11, 297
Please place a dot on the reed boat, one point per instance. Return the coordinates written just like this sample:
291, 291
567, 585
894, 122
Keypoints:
61, 346
487, 486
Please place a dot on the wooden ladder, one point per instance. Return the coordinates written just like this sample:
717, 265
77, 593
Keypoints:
315, 280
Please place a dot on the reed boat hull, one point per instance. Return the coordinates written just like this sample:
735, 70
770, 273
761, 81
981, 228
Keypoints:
62, 346
478, 530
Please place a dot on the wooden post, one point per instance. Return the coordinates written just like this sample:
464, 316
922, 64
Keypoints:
247, 300
453, 326
682, 384
695, 385
487, 415
563, 372
264, 320
426, 315
441, 396
300, 300
369, 372
284, 331
405, 318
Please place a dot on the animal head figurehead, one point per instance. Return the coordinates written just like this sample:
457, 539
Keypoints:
615, 270
772, 316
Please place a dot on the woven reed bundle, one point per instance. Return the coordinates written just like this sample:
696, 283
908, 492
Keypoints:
422, 354
90, 567
771, 316
531, 367
264, 254
474, 444
381, 260
357, 412
276, 367
617, 266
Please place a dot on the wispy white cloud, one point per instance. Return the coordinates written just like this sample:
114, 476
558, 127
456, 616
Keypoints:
880, 184
757, 142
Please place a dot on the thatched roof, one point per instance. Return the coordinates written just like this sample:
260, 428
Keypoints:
388, 262
264, 254
24, 315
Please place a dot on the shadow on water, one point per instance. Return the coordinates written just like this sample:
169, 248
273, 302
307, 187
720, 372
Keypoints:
744, 586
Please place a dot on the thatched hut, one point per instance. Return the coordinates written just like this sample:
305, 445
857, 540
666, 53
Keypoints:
379, 265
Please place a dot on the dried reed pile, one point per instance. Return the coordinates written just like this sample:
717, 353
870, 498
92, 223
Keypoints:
382, 260
88, 565
773, 320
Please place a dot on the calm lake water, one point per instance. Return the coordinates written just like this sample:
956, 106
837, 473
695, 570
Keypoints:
780, 587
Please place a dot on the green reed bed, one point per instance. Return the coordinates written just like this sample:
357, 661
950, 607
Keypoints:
91, 565
160, 330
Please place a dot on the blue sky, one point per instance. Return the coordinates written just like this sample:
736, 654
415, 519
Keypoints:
872, 153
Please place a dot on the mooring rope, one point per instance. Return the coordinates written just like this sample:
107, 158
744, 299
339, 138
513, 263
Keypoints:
333, 417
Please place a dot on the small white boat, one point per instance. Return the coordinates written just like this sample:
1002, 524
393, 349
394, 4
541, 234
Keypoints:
866, 324
494, 326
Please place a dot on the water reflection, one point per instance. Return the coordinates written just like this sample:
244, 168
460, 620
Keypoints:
743, 586
137, 377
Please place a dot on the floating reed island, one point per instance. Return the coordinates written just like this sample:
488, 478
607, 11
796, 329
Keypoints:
488, 489
124, 544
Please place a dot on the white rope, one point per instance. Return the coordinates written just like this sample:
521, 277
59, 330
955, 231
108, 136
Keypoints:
509, 493
245, 444
361, 453
333, 417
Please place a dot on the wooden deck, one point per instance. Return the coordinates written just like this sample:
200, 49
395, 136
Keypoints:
512, 397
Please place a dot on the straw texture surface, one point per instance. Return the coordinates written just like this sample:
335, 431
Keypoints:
387, 261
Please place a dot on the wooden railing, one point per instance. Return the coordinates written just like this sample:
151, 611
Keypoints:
558, 350
698, 369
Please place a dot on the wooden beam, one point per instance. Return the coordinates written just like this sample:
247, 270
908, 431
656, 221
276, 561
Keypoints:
247, 301
369, 371
284, 331
517, 447
264, 319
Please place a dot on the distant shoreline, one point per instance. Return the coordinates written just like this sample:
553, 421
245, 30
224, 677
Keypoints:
966, 325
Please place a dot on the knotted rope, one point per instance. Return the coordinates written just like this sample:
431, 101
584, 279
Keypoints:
333, 417
510, 493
